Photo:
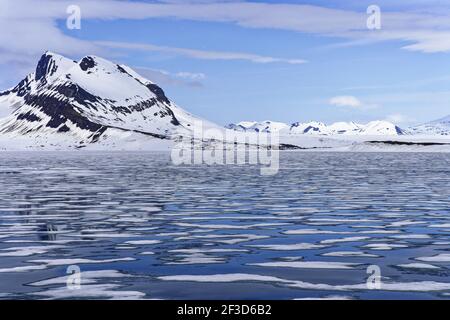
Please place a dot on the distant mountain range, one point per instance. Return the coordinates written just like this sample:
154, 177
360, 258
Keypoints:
374, 128
96, 101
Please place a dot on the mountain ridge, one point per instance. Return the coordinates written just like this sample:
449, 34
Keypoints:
94, 101
437, 127
319, 128
85, 98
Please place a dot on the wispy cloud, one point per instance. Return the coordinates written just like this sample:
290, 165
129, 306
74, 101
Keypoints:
33, 29
163, 77
425, 31
345, 101
191, 75
198, 54
350, 102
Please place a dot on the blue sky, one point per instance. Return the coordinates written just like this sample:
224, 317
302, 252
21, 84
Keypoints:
231, 61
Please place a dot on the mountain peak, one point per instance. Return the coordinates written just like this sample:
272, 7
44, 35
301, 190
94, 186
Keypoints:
51, 53
263, 126
52, 64
384, 127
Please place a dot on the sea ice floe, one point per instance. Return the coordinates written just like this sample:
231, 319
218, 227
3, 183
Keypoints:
391, 215
172, 234
255, 217
99, 291
205, 250
418, 266
443, 225
327, 298
308, 264
348, 239
26, 251
225, 238
86, 277
142, 242
150, 209
411, 236
32, 232
228, 226
47, 241
129, 220
292, 258
350, 254
335, 220
420, 286
368, 226
197, 258
384, 246
62, 262
102, 235
8, 227
231, 277
286, 247
142, 228
23, 268
313, 231
404, 223
379, 232
98, 230
443, 257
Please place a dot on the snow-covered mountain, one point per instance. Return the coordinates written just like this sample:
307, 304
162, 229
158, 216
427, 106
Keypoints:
308, 128
87, 99
437, 127
382, 128
348, 128
318, 128
264, 126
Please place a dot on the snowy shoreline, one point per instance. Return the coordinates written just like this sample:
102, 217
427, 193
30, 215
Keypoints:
291, 144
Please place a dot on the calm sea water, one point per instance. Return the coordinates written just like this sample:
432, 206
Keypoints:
140, 228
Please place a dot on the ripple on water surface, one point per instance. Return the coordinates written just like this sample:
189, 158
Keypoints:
141, 228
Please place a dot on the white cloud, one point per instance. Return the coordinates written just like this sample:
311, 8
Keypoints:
163, 77
346, 101
351, 102
191, 76
197, 54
